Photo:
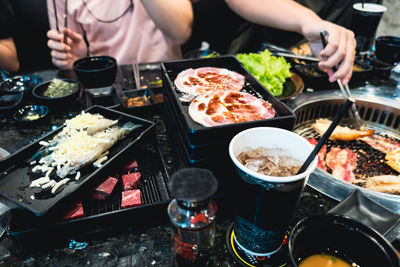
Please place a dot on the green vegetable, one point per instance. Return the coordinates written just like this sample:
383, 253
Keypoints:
269, 70
60, 88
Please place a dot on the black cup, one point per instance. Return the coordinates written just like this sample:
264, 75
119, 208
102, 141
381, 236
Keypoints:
96, 72
388, 49
364, 23
342, 237
263, 205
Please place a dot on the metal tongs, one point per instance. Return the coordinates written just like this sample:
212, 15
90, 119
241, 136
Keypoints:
353, 113
65, 19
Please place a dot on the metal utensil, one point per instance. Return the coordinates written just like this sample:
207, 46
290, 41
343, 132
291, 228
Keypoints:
55, 15
65, 21
355, 116
136, 74
290, 55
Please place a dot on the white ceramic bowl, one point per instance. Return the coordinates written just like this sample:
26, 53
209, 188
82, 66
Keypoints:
270, 137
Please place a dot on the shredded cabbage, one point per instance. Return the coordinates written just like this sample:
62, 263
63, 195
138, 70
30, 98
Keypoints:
269, 70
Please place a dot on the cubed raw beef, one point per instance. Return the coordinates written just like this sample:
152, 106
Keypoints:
130, 181
105, 188
133, 165
75, 212
130, 198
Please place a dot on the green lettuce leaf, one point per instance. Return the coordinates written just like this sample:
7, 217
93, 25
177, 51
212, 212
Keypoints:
269, 70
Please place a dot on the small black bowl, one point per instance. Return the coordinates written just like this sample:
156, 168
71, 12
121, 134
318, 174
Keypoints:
31, 115
342, 237
18, 84
96, 72
10, 103
39, 90
388, 49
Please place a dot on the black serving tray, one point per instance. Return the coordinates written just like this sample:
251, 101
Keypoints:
101, 216
16, 175
199, 134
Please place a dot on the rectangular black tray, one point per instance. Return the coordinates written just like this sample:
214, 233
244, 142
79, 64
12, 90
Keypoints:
199, 134
103, 215
16, 175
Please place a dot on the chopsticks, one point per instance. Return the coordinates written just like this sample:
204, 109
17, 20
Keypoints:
65, 21
136, 74
355, 116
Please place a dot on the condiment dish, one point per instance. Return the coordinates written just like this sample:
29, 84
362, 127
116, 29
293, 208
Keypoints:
31, 115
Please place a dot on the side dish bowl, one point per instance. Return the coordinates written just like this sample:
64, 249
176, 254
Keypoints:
39, 92
96, 72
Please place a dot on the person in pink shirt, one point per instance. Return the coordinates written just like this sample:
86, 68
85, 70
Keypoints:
132, 31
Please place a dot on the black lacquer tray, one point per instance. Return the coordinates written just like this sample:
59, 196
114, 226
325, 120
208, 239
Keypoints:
16, 174
198, 134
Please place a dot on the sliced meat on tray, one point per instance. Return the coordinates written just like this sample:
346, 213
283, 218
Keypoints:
131, 180
105, 188
381, 143
203, 80
130, 198
342, 163
225, 107
384, 183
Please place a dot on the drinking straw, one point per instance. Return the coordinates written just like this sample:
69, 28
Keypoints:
328, 133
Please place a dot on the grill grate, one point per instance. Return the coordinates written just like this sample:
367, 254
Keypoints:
385, 120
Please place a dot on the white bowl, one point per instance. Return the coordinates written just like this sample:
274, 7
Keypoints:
269, 137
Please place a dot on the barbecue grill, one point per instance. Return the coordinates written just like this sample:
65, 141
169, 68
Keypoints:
380, 114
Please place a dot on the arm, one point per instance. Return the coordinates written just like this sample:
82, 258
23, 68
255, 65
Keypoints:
8, 55
173, 17
291, 16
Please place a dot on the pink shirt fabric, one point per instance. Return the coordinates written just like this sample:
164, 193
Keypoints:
134, 38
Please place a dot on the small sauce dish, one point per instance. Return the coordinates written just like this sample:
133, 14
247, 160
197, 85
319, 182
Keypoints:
31, 115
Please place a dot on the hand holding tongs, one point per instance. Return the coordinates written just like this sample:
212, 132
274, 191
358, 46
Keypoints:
355, 116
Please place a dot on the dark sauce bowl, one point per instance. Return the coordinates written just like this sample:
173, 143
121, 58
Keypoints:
388, 49
96, 72
343, 237
66, 100
31, 115
10, 103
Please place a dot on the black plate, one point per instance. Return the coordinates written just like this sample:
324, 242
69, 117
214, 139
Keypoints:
362, 208
199, 134
16, 175
9, 103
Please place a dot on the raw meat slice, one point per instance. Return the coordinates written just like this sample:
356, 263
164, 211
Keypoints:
380, 143
75, 212
340, 132
105, 188
130, 181
321, 154
342, 163
130, 198
224, 107
393, 159
203, 80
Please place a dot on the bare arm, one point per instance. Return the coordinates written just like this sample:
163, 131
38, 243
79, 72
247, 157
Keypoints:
291, 16
8, 55
173, 17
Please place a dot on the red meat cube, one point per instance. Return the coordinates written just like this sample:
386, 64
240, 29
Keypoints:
105, 188
130, 198
75, 212
130, 181
130, 166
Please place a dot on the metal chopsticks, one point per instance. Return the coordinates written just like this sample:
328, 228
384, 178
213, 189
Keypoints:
136, 75
355, 116
55, 15
65, 21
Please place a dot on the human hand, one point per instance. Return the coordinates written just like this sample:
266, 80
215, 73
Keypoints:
64, 54
339, 52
